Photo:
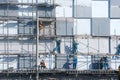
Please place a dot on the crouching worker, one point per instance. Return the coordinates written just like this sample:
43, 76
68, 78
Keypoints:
67, 65
42, 64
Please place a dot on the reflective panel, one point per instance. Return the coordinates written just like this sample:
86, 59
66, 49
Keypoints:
82, 8
99, 8
82, 26
115, 12
64, 26
100, 27
115, 2
115, 26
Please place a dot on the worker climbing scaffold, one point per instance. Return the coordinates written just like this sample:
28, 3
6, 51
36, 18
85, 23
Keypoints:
74, 50
117, 52
57, 48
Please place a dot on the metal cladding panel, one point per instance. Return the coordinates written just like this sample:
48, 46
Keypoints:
9, 11
115, 12
9, 0
100, 27
46, 12
115, 27
64, 26
63, 2
26, 62
63, 11
70, 25
82, 11
26, 10
8, 28
25, 30
12, 13
2, 12
61, 26
100, 9
8, 62
115, 2
21, 30
82, 26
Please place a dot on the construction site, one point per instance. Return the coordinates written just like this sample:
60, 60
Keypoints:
59, 39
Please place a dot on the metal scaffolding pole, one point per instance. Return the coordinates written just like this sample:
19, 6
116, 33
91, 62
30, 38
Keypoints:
37, 51
37, 43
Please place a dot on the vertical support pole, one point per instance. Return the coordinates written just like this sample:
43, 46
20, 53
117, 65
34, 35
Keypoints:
99, 46
18, 62
55, 61
109, 61
88, 51
109, 40
37, 43
73, 8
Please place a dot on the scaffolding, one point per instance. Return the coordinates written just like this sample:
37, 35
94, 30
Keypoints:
24, 45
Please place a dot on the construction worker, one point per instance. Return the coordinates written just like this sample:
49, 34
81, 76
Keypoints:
67, 65
74, 61
106, 65
102, 62
117, 52
57, 48
75, 44
42, 64
40, 25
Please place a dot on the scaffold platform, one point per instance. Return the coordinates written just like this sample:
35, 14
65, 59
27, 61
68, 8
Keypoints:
59, 74
71, 71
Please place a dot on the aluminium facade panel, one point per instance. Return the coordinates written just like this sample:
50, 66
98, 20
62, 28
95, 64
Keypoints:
8, 10
63, 11
46, 11
100, 9
82, 11
9, 0
100, 27
61, 26
115, 12
82, 26
25, 30
64, 26
115, 27
114, 2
